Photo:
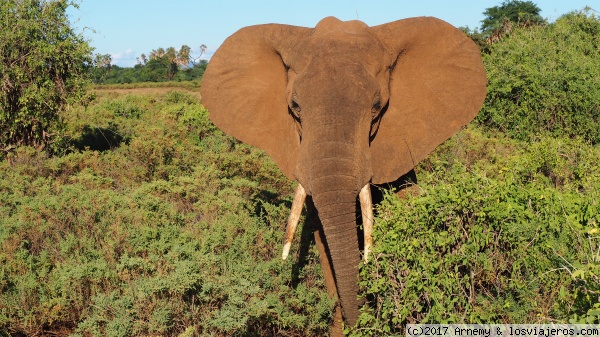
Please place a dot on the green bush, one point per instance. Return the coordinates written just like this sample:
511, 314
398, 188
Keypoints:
546, 79
42, 69
176, 231
499, 239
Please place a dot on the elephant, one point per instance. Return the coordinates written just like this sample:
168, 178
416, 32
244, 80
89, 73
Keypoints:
341, 106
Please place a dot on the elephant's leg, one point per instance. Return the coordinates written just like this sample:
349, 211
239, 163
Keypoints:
336, 326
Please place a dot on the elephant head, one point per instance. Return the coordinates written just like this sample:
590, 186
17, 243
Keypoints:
343, 105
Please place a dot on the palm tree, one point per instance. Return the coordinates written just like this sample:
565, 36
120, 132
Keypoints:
183, 57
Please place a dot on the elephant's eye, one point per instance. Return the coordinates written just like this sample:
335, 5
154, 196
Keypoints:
376, 107
295, 107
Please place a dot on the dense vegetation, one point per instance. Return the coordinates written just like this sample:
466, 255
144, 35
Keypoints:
173, 229
502, 231
169, 227
42, 68
546, 78
151, 222
499, 21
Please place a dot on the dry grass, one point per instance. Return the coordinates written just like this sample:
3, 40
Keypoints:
195, 92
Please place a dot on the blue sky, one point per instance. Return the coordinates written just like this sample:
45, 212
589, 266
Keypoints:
127, 28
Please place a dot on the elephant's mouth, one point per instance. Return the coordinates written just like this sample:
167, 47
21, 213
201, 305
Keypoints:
366, 206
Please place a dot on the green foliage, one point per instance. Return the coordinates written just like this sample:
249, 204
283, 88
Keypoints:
42, 68
176, 230
154, 223
519, 12
493, 236
546, 79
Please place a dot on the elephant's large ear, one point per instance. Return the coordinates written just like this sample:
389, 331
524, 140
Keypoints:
437, 85
244, 89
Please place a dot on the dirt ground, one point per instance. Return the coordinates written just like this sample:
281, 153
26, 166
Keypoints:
148, 91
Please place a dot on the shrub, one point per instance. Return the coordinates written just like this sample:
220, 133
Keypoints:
499, 239
546, 79
175, 231
43, 69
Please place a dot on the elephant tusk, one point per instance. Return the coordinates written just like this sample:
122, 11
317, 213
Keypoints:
366, 206
297, 204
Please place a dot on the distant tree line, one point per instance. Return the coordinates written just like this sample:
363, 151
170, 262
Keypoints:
159, 66
169, 64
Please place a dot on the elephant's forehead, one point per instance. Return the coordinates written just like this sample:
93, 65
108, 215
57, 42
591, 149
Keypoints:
353, 47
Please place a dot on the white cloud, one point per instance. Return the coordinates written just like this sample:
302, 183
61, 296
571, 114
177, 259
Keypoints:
125, 58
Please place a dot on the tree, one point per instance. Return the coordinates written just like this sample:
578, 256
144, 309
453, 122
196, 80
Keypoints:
155, 70
499, 20
193, 73
202, 50
100, 67
43, 67
158, 53
171, 57
183, 56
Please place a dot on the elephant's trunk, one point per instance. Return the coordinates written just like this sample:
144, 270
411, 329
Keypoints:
334, 193
333, 165
336, 211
